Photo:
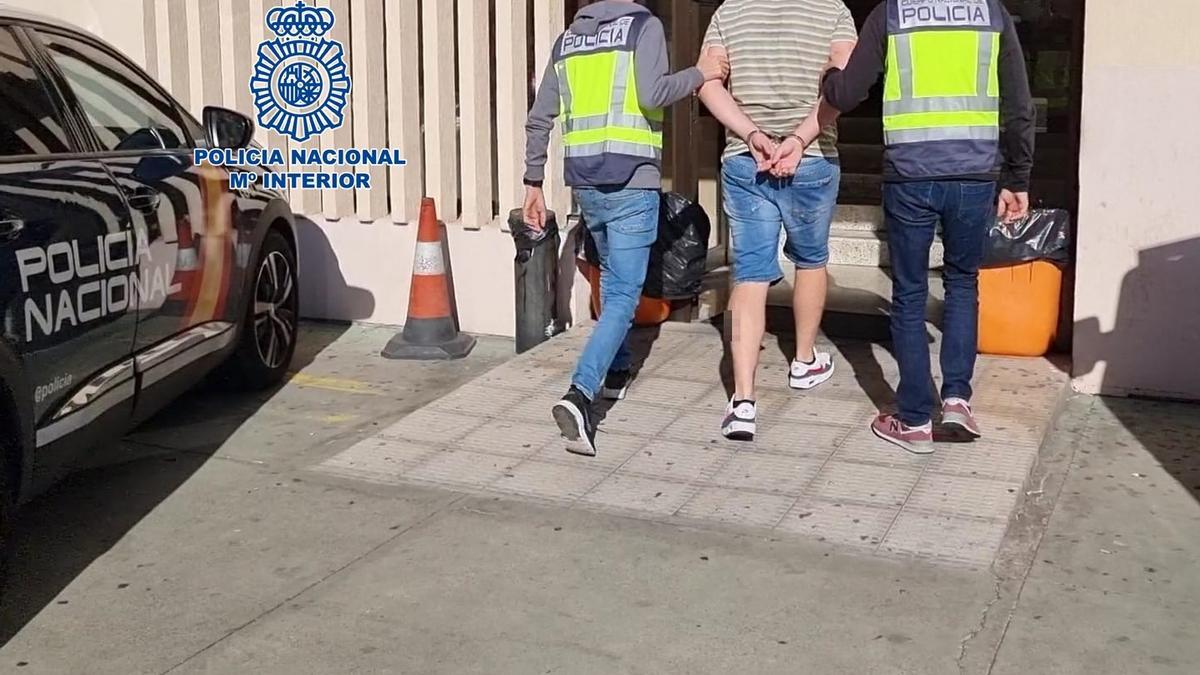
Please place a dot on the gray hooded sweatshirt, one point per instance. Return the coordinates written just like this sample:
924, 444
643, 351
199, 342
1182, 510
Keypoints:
657, 88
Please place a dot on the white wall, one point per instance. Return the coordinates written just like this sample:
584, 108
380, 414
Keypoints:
361, 271
1137, 306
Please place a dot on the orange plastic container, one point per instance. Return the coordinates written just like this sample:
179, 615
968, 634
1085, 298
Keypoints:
650, 311
1018, 309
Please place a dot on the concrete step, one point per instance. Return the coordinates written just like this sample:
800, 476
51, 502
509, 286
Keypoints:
868, 290
860, 217
862, 248
858, 304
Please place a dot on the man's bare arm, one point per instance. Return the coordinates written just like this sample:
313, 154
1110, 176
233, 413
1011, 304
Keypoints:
720, 103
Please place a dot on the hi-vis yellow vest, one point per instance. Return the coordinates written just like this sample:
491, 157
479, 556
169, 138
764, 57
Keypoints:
941, 97
607, 132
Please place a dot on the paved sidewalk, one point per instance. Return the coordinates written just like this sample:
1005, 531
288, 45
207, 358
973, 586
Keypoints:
815, 471
206, 543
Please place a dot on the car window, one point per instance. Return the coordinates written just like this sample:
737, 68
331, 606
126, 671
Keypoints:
29, 124
121, 104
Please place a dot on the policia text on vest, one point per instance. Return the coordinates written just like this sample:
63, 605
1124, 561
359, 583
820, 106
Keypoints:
925, 13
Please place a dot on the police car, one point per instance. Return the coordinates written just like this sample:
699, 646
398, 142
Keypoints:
127, 272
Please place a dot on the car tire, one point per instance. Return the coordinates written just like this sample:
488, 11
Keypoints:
269, 327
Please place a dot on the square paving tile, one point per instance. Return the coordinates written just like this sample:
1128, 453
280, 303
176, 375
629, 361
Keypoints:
864, 483
984, 460
514, 438
461, 469
752, 509
689, 358
864, 447
639, 419
962, 496
781, 474
536, 406
713, 403
773, 372
428, 425
1011, 433
612, 450
695, 426
474, 400
675, 461
812, 410
947, 538
667, 391
546, 481
638, 496
839, 523
789, 438
524, 376
378, 460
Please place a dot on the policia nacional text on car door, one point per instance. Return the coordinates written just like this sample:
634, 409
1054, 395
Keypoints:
127, 273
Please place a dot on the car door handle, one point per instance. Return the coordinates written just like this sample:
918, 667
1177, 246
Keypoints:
143, 199
9, 229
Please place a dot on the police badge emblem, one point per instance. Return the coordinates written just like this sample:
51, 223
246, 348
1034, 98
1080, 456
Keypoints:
300, 82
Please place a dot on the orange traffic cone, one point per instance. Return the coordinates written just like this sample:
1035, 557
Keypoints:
430, 333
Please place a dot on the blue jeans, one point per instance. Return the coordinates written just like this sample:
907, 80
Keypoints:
624, 224
759, 207
912, 212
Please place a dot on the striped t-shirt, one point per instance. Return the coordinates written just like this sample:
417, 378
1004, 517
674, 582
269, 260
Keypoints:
778, 50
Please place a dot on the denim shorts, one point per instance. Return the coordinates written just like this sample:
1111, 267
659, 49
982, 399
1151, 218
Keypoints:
759, 207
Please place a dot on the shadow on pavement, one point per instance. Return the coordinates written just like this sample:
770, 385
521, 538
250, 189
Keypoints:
60, 533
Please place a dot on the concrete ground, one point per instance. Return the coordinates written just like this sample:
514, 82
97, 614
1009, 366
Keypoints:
216, 540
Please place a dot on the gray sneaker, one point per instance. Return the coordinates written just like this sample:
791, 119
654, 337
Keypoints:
740, 421
958, 418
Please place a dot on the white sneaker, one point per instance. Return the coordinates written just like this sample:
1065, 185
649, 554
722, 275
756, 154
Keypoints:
739, 423
808, 375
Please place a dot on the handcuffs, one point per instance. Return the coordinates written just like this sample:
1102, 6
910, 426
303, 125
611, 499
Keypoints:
776, 139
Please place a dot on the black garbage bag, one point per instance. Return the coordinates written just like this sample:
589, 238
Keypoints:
679, 258
1044, 234
680, 255
535, 277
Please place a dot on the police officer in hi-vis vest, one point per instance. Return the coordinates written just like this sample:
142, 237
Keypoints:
953, 74
608, 80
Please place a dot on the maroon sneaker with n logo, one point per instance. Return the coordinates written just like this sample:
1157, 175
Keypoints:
917, 440
958, 418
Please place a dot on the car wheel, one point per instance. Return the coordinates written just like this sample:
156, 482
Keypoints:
269, 329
